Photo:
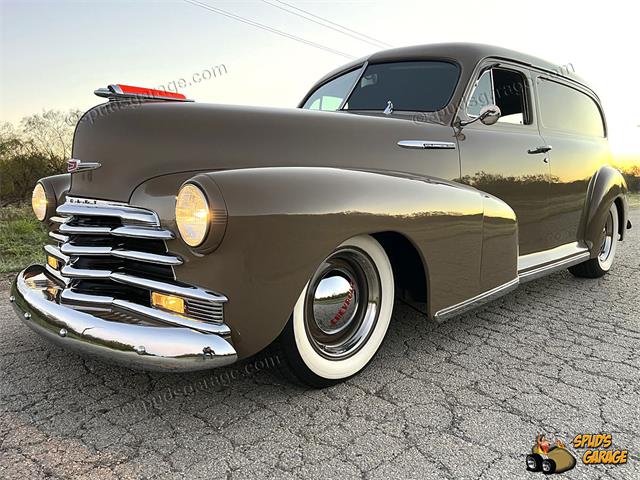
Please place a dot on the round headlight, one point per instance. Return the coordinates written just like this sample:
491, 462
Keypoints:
39, 202
192, 215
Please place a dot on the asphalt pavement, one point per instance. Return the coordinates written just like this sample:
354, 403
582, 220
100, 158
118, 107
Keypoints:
464, 399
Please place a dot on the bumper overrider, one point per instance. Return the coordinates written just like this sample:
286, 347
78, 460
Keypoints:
92, 301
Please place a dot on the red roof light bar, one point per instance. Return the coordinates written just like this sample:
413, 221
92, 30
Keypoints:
119, 91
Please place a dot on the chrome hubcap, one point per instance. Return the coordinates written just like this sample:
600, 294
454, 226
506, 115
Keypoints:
342, 303
607, 243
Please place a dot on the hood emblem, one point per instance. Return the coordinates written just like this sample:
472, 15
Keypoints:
75, 165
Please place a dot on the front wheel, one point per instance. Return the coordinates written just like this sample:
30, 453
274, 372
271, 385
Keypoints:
597, 267
342, 315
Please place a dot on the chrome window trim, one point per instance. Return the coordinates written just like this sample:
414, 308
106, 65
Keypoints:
353, 87
491, 63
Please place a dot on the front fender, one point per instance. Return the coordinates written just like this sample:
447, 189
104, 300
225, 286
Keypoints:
283, 221
606, 186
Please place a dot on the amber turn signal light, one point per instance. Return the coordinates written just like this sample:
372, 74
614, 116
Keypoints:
52, 262
167, 302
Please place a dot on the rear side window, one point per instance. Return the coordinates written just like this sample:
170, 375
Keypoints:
410, 86
569, 110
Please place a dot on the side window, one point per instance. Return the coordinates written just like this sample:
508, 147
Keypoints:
330, 95
569, 110
506, 89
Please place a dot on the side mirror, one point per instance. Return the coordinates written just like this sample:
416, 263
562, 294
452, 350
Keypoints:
489, 114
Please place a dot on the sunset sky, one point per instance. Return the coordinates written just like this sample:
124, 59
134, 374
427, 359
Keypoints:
54, 54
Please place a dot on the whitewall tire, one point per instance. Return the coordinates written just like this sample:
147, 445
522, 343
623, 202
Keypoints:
599, 266
342, 314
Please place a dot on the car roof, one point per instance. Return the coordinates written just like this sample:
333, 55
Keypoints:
467, 54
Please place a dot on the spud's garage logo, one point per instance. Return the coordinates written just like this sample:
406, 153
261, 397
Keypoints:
596, 449
548, 459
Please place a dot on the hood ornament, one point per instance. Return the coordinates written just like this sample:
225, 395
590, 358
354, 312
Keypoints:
75, 165
389, 109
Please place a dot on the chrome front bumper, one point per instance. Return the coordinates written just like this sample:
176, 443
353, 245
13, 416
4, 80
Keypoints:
144, 346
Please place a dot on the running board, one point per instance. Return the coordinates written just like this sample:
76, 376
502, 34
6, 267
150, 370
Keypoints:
536, 265
485, 297
529, 268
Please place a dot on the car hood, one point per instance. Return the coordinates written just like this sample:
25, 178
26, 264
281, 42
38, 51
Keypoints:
134, 142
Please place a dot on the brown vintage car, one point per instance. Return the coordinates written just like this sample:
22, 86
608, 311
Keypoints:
188, 236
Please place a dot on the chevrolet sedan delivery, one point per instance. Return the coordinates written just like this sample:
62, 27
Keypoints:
189, 236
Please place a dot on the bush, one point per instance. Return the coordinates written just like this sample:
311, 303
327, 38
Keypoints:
39, 148
21, 238
22, 165
632, 176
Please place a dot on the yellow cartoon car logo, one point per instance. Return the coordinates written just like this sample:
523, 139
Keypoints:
549, 458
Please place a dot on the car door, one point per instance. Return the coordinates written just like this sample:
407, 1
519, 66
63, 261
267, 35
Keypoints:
572, 122
509, 158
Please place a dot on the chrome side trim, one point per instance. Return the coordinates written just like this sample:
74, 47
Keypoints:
537, 259
426, 145
163, 348
457, 309
552, 267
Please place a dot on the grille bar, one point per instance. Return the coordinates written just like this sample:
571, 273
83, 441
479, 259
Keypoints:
183, 291
73, 298
56, 253
124, 212
128, 231
85, 250
113, 255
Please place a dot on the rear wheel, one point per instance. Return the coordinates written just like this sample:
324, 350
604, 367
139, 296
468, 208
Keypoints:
597, 267
342, 315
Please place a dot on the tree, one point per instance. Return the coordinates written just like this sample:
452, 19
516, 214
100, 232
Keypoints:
38, 148
50, 132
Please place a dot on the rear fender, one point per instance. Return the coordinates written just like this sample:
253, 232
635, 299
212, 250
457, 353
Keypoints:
606, 186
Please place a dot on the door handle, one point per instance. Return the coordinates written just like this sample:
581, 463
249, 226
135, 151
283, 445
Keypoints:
543, 149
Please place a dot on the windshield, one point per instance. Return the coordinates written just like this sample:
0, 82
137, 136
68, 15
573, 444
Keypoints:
425, 86
411, 86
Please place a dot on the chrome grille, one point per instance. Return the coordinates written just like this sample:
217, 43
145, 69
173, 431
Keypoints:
114, 255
